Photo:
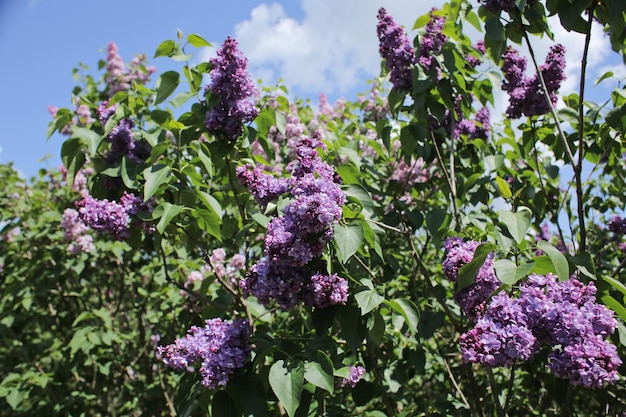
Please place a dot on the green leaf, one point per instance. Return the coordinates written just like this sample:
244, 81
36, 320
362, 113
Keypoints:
287, 382
348, 240
603, 77
368, 299
166, 48
614, 305
166, 85
197, 41
319, 371
516, 223
223, 406
616, 118
584, 264
468, 272
408, 310
358, 194
281, 122
166, 212
509, 273
558, 259
619, 286
73, 158
89, 138
503, 187
155, 176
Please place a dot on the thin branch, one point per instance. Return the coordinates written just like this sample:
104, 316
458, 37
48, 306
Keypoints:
494, 386
449, 178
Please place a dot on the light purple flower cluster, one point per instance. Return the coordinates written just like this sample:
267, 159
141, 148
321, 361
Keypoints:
219, 348
432, 41
299, 236
396, 49
617, 224
118, 79
526, 95
356, 373
472, 298
407, 175
561, 315
110, 216
233, 87
76, 233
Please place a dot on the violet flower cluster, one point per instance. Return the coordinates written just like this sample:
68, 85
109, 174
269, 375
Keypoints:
75, 232
526, 95
617, 224
233, 87
356, 373
219, 349
295, 241
561, 315
432, 41
471, 60
472, 298
110, 216
396, 49
118, 79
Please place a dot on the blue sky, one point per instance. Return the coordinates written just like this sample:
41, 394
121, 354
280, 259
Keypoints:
314, 45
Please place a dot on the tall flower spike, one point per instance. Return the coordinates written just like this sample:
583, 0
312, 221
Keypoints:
232, 85
396, 49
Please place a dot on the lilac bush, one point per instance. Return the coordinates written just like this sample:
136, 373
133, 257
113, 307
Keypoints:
396, 49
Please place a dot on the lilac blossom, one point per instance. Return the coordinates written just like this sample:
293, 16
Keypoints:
526, 95
432, 41
504, 5
472, 61
299, 236
561, 315
356, 373
110, 216
396, 49
233, 87
75, 232
219, 349
617, 224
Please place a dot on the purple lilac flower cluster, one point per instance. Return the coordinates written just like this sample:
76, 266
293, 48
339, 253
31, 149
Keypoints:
526, 95
396, 49
219, 348
507, 5
479, 128
123, 143
232, 85
110, 216
617, 224
562, 315
294, 242
432, 41
118, 79
356, 373
472, 298
76, 233
471, 60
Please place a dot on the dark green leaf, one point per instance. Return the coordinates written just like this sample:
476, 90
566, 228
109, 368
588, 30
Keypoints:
166, 85
408, 310
165, 212
287, 382
223, 406
558, 259
516, 223
348, 240
319, 371
468, 272
155, 177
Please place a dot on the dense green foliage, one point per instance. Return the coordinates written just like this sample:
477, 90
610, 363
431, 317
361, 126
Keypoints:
79, 330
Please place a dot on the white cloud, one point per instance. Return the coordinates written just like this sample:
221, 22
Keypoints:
333, 49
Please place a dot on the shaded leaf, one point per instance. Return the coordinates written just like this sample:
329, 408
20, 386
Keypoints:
287, 382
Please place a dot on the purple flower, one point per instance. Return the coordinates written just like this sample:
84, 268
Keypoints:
263, 187
76, 233
526, 96
507, 5
220, 348
356, 373
472, 61
396, 49
617, 225
432, 41
326, 290
115, 71
233, 87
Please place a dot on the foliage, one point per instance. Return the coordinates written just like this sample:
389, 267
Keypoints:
323, 229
